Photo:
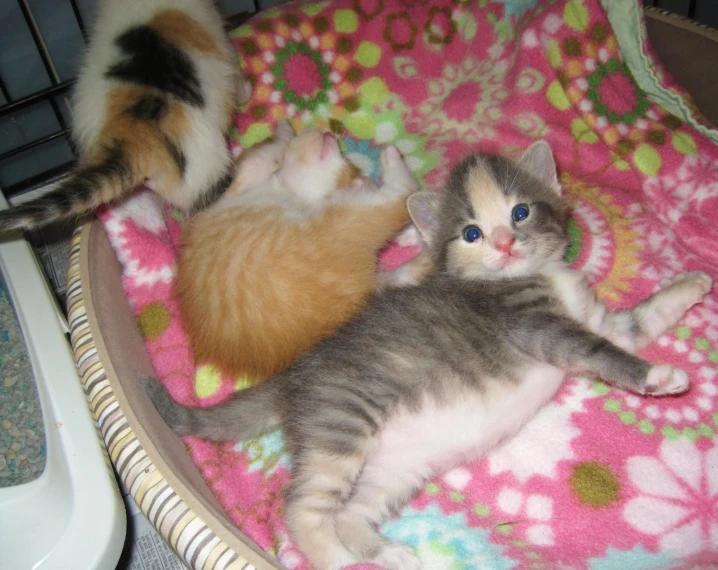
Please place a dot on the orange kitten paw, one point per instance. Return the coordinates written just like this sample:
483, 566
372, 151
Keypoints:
389, 159
395, 172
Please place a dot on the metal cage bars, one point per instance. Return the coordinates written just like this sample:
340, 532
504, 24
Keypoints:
49, 95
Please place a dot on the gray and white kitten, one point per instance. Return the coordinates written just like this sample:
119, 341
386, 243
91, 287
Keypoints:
435, 375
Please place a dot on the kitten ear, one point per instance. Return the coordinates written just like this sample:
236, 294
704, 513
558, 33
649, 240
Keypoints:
538, 160
424, 208
284, 131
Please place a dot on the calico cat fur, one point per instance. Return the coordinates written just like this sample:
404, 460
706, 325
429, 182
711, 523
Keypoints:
437, 374
288, 254
153, 105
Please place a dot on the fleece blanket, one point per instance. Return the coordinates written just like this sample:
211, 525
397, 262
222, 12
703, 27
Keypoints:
601, 479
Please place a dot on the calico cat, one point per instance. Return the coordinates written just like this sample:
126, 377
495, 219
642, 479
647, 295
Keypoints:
153, 105
288, 254
436, 374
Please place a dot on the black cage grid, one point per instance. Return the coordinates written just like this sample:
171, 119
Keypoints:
51, 95
56, 95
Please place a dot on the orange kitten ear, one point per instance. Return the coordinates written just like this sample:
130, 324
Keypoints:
424, 209
284, 131
538, 161
243, 88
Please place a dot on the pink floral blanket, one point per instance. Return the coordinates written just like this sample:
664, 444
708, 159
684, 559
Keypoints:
601, 479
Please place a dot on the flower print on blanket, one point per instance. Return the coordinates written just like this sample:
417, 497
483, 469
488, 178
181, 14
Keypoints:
600, 479
677, 500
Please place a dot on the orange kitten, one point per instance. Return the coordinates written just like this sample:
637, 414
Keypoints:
289, 252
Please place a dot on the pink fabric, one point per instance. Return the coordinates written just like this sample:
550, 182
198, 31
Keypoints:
600, 479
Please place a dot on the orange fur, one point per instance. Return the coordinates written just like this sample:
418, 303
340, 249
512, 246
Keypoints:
259, 287
142, 142
347, 175
287, 256
184, 32
288, 285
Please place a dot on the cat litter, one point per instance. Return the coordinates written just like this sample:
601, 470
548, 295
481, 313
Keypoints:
22, 433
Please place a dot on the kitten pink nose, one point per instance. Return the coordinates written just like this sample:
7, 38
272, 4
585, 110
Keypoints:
503, 239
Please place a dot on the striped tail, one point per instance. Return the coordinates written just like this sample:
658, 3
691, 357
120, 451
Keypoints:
87, 188
247, 414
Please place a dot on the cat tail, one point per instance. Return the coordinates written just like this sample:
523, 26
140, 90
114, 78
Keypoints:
85, 189
249, 413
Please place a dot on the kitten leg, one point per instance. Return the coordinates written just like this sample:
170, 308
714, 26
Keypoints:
638, 327
409, 237
381, 488
397, 180
564, 343
257, 163
378, 214
664, 309
322, 482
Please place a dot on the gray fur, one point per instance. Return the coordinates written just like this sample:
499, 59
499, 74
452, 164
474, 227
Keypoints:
213, 423
438, 342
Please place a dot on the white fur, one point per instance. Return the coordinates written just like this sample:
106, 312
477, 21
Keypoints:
440, 436
205, 148
654, 316
415, 445
572, 290
664, 379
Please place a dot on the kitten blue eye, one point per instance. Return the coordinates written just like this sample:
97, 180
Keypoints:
520, 212
471, 234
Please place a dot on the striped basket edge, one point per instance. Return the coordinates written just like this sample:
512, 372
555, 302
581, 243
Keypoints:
193, 541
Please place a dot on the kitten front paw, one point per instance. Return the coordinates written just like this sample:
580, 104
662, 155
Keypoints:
398, 557
699, 282
395, 173
411, 273
663, 379
409, 237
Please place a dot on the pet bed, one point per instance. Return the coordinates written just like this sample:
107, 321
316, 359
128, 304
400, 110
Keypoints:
600, 479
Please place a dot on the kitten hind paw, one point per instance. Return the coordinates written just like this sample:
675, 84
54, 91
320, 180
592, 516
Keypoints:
398, 557
663, 379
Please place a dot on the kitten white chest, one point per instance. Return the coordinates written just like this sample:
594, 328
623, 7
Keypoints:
442, 435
